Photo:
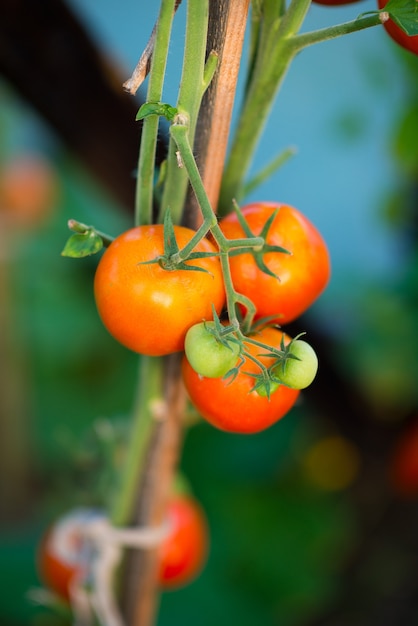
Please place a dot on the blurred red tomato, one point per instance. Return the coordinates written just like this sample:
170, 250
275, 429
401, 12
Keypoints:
404, 463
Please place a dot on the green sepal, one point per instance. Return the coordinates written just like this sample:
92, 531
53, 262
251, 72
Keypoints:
156, 108
259, 254
171, 248
404, 13
81, 245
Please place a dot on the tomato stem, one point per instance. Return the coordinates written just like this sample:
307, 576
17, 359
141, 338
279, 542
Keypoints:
275, 43
150, 392
195, 76
331, 32
146, 161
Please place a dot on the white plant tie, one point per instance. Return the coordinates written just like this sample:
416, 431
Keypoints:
106, 543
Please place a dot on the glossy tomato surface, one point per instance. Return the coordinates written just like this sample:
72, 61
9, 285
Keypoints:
184, 551
149, 309
397, 34
235, 406
301, 275
63, 553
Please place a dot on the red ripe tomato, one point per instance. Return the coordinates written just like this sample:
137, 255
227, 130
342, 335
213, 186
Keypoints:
404, 463
184, 551
235, 406
149, 309
397, 34
63, 553
302, 275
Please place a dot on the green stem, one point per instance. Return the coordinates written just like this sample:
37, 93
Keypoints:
180, 135
279, 43
272, 63
150, 385
146, 161
331, 32
190, 95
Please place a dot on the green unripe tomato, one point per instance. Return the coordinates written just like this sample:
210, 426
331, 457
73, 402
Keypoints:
208, 356
298, 373
262, 391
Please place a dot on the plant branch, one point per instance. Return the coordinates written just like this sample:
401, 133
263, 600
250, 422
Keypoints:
331, 32
188, 103
146, 161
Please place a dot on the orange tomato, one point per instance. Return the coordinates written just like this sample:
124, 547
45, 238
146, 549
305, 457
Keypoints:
149, 309
301, 275
234, 406
28, 190
184, 551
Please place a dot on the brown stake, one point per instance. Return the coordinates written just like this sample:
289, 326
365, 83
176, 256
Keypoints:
227, 23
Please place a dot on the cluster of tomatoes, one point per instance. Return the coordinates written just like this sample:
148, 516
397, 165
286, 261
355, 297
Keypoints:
156, 310
64, 555
410, 43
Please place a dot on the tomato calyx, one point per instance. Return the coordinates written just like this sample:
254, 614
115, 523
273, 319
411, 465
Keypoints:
259, 252
174, 258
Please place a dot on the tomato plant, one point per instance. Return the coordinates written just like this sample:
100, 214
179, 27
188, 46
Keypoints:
183, 553
208, 355
299, 369
408, 42
237, 406
300, 276
148, 308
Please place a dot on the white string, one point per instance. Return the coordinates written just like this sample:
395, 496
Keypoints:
107, 542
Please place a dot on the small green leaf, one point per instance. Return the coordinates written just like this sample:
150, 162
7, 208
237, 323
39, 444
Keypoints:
156, 108
170, 243
82, 245
405, 15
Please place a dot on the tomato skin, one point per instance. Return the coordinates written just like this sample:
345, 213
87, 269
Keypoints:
184, 551
149, 309
234, 406
298, 373
397, 34
303, 274
208, 356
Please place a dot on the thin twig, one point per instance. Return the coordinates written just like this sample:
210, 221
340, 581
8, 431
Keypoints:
143, 66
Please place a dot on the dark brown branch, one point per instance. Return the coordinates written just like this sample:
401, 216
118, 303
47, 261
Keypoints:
140, 595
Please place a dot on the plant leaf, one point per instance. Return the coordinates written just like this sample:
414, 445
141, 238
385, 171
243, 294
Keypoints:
404, 13
82, 245
156, 108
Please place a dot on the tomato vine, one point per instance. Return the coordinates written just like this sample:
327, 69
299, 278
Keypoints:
275, 41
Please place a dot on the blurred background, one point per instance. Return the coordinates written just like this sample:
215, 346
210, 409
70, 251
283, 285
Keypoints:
313, 522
